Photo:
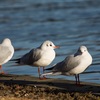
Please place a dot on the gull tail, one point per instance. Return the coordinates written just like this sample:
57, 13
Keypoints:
16, 60
51, 73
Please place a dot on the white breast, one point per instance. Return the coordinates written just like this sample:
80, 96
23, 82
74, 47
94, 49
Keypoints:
11, 49
46, 58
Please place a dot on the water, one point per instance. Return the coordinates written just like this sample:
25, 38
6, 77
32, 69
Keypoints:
68, 23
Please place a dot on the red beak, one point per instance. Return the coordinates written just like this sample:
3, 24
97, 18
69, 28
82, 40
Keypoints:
55, 47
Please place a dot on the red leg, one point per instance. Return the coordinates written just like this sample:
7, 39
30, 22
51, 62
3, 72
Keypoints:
2, 72
0, 67
43, 72
40, 74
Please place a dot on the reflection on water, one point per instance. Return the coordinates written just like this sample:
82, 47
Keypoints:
68, 23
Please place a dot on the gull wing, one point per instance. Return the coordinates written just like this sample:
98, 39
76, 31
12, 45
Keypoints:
31, 57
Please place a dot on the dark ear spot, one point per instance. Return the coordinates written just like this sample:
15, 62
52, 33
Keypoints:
84, 50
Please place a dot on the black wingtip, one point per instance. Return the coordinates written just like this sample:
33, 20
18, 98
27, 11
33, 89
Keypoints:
16, 60
49, 68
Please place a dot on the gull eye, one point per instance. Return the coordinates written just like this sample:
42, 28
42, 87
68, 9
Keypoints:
50, 44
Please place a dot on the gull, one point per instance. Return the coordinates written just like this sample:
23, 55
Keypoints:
73, 64
6, 52
41, 56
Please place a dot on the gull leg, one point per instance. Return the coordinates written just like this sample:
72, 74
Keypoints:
43, 72
39, 71
2, 72
43, 69
76, 79
40, 74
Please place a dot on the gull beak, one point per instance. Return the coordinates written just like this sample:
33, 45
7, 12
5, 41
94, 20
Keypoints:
55, 47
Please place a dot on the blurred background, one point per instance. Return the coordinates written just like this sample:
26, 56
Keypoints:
68, 23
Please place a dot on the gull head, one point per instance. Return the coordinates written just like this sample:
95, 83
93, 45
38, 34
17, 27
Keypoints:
48, 45
82, 49
6, 41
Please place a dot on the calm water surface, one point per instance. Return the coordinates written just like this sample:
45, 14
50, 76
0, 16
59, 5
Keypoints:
68, 23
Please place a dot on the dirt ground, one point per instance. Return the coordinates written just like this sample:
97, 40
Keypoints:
23, 87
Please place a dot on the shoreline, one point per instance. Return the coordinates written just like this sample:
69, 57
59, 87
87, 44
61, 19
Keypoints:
49, 86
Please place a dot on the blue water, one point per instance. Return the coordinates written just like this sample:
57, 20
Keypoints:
68, 23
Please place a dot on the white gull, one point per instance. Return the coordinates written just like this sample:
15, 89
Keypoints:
73, 64
41, 56
6, 52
